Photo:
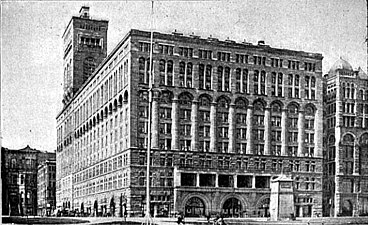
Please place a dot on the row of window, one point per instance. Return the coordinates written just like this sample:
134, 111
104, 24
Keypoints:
225, 56
185, 79
102, 168
104, 184
117, 80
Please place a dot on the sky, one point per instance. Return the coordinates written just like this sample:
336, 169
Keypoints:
31, 44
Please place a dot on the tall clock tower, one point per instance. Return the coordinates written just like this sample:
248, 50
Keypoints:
85, 46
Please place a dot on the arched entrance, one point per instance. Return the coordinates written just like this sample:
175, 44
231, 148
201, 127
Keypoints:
232, 208
264, 207
347, 208
194, 207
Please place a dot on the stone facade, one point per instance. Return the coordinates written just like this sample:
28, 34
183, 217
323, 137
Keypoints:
346, 141
19, 179
46, 188
227, 117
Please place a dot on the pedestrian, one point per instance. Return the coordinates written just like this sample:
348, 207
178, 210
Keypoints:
180, 220
208, 218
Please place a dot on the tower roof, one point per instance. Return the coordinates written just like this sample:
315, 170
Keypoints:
341, 65
362, 74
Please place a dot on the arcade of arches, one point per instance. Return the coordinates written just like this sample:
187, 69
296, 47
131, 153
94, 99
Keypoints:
232, 207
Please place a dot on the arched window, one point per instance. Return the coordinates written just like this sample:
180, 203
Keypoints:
352, 96
220, 75
309, 130
241, 80
143, 70
258, 127
205, 76
241, 125
276, 128
89, 66
361, 95
348, 151
142, 119
162, 71
256, 82
14, 163
185, 109
170, 71
292, 124
223, 125
188, 79
276, 84
204, 123
165, 112
331, 148
166, 72
259, 80
182, 74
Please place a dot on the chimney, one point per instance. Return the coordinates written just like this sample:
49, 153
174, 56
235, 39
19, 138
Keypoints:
84, 12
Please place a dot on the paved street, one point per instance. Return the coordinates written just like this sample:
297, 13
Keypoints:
188, 221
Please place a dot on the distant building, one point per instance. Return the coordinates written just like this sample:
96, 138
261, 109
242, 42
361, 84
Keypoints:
46, 188
227, 117
19, 179
346, 141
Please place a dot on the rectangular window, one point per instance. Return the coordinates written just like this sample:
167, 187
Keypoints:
207, 180
204, 54
166, 49
262, 182
188, 179
186, 52
223, 56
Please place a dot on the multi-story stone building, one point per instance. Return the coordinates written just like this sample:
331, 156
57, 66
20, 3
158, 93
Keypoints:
227, 117
46, 188
19, 179
346, 141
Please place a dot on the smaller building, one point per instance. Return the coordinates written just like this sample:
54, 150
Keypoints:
46, 188
19, 176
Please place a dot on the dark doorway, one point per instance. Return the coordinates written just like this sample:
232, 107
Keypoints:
194, 207
347, 208
232, 208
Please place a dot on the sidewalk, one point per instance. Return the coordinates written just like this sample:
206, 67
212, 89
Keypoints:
188, 221
232, 221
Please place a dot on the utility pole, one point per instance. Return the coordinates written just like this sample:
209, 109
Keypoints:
148, 218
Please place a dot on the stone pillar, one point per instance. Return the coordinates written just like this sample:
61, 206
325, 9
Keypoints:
254, 181
232, 131
283, 133
175, 125
356, 160
197, 181
213, 128
249, 130
155, 121
194, 128
216, 180
318, 132
235, 178
300, 133
267, 139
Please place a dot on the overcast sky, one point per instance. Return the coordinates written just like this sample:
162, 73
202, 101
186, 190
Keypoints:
31, 44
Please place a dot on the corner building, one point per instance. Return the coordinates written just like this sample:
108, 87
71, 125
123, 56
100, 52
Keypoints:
227, 117
19, 179
346, 141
